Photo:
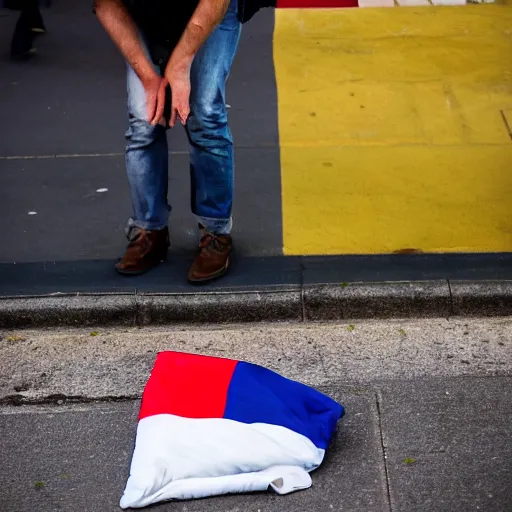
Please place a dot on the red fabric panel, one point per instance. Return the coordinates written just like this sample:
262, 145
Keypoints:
187, 385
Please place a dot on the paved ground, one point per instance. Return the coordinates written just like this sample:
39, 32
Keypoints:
427, 427
422, 167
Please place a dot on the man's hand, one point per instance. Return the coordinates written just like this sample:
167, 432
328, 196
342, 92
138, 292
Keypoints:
178, 77
155, 87
121, 28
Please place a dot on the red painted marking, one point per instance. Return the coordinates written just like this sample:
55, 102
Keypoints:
187, 385
318, 4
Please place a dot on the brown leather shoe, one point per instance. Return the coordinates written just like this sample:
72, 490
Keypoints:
146, 250
213, 258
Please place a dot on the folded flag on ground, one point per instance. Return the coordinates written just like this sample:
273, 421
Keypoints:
210, 426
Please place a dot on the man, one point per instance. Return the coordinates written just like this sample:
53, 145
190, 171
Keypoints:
188, 45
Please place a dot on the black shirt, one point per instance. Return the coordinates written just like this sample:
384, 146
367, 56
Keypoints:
162, 21
165, 20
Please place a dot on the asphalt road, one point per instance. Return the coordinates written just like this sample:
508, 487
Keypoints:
64, 116
66, 111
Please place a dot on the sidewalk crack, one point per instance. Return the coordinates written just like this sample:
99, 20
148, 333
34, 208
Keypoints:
378, 400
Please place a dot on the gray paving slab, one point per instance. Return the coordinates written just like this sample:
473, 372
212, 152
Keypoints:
75, 222
448, 444
71, 97
77, 458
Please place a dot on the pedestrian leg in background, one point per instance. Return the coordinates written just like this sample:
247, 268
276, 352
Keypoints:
211, 149
30, 23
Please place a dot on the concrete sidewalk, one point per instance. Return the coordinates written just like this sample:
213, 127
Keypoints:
427, 446
427, 426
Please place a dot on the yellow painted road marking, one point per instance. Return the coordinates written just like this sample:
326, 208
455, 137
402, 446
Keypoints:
392, 129
385, 199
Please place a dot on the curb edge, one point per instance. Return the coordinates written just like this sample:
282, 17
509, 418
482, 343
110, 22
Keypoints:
310, 303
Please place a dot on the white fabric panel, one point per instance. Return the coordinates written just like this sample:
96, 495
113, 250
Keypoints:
181, 458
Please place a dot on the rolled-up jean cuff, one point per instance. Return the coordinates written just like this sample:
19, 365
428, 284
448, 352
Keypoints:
132, 223
216, 226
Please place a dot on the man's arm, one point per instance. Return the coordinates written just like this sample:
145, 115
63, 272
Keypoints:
208, 14
118, 23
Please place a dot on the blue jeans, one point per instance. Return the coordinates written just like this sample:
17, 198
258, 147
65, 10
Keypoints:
211, 143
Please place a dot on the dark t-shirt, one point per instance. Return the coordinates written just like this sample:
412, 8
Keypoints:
165, 20
162, 21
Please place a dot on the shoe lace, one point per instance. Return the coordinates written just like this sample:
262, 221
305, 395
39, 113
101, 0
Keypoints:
210, 242
132, 233
137, 236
